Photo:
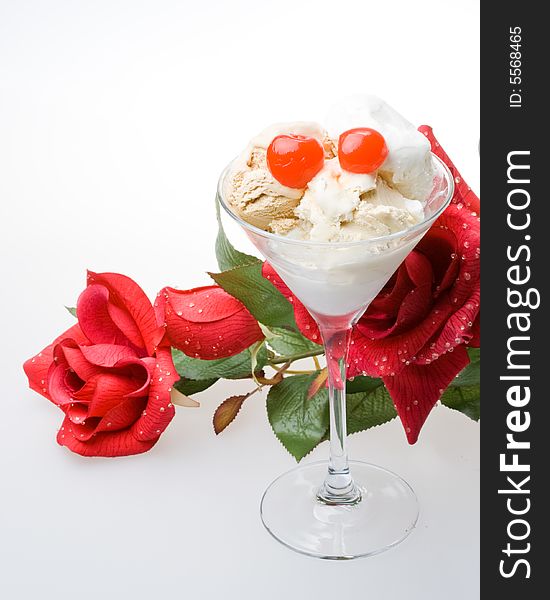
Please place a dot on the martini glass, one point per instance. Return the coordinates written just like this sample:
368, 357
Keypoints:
341, 509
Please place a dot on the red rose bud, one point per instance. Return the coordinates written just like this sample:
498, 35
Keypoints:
207, 322
111, 374
415, 332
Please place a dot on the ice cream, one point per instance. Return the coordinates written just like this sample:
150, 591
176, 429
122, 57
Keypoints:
253, 192
337, 205
342, 232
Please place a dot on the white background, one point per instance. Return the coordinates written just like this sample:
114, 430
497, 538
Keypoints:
115, 119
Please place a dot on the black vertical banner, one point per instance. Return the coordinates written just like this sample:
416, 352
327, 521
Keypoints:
515, 274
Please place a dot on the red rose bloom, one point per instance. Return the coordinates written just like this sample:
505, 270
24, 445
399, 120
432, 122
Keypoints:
111, 374
415, 332
206, 322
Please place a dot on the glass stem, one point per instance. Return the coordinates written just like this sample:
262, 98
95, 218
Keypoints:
339, 487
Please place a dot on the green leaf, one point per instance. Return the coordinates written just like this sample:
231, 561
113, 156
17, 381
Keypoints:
233, 367
228, 257
298, 423
362, 383
259, 295
287, 343
192, 386
469, 376
463, 392
72, 310
465, 399
370, 408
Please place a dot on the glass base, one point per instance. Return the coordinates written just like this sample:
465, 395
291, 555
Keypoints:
384, 516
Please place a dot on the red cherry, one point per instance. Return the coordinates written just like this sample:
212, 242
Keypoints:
294, 160
361, 150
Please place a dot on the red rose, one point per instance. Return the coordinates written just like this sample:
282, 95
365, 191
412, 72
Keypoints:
415, 332
111, 374
207, 322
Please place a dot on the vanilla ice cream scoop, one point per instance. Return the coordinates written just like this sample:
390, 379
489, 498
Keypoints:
252, 190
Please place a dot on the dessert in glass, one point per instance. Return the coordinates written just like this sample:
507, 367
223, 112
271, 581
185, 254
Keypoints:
335, 211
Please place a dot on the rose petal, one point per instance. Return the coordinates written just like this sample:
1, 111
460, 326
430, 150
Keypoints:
58, 391
108, 355
62, 384
123, 415
466, 230
71, 355
391, 354
77, 412
440, 246
120, 443
129, 304
408, 302
37, 367
209, 341
207, 322
456, 331
417, 388
204, 304
105, 391
97, 324
160, 410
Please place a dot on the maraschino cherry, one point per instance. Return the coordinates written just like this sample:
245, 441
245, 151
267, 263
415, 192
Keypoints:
361, 150
294, 160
